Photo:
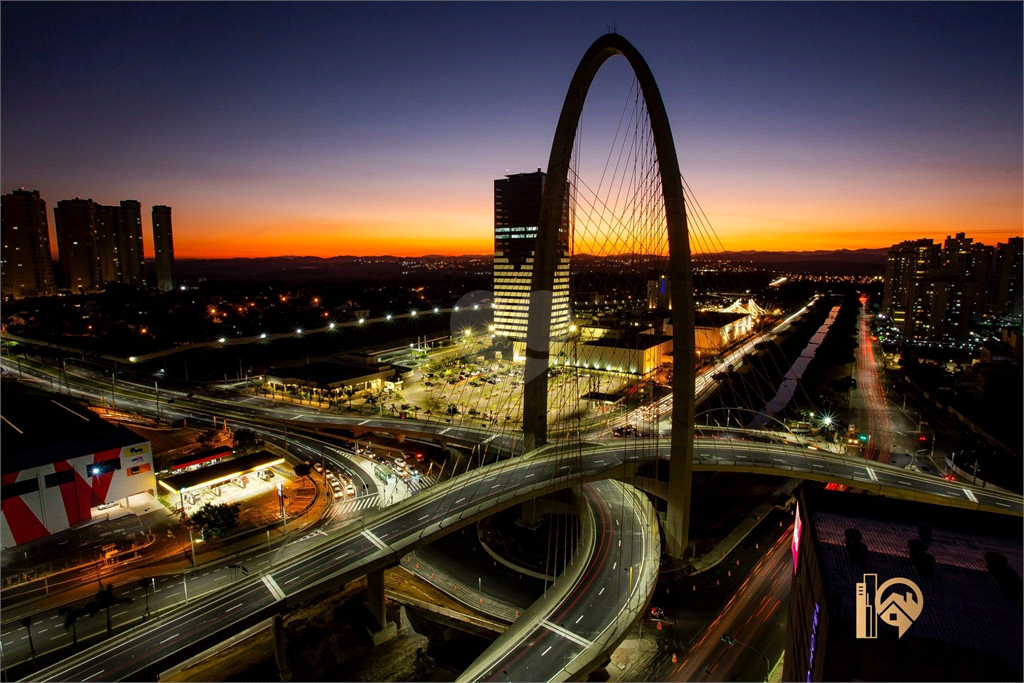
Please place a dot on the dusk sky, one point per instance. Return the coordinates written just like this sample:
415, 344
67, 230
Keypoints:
327, 129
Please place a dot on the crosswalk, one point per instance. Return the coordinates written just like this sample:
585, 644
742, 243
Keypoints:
370, 502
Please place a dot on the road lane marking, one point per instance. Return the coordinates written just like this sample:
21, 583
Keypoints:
578, 619
871, 473
600, 592
422, 518
566, 633
460, 500
546, 651
528, 476
171, 638
93, 674
272, 586
372, 538
233, 607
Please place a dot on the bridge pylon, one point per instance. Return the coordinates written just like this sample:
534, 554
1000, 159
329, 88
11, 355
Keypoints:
547, 255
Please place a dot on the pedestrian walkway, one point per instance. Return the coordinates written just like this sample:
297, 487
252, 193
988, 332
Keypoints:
370, 502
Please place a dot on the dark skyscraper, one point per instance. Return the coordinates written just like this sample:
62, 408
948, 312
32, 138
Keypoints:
163, 244
77, 245
26, 267
107, 219
516, 215
133, 267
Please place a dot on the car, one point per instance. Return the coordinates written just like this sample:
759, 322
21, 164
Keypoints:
351, 490
319, 468
419, 457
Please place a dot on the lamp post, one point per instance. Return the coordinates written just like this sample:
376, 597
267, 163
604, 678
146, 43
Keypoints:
729, 640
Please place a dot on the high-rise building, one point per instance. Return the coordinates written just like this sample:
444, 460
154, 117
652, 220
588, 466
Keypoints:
26, 267
934, 294
1008, 277
107, 222
133, 267
517, 201
905, 298
77, 245
163, 244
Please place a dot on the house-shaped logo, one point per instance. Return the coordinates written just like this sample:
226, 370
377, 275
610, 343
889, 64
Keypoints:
897, 602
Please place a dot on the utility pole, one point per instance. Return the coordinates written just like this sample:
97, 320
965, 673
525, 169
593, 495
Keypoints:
156, 386
113, 388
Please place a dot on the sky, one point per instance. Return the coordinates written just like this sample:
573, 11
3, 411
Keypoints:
349, 128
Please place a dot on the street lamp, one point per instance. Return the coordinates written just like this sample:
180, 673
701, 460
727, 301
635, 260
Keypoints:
387, 317
222, 340
362, 320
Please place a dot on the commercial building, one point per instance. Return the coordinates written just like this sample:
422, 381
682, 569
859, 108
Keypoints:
854, 615
61, 462
714, 331
328, 378
26, 267
624, 350
163, 245
517, 201
934, 293
179, 486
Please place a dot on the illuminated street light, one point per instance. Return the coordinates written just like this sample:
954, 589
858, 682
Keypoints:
456, 308
475, 307
387, 317
331, 326
263, 336
222, 340
131, 359
298, 331
490, 328
436, 309
467, 331
361, 321
412, 313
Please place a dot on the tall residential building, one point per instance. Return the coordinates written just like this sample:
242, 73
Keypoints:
77, 245
133, 267
934, 294
163, 244
26, 267
107, 222
1008, 276
517, 201
905, 297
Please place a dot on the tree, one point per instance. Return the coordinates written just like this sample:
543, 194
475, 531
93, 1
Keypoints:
245, 441
71, 616
302, 469
207, 437
104, 600
216, 521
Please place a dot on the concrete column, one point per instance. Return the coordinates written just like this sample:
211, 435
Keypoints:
283, 672
375, 596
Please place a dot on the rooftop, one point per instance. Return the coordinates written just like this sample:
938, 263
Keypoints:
325, 372
965, 604
716, 318
40, 428
221, 472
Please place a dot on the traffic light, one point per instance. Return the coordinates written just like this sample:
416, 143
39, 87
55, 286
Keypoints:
863, 438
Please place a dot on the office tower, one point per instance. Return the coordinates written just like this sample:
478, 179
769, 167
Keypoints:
26, 267
133, 267
77, 245
659, 295
163, 244
106, 220
517, 201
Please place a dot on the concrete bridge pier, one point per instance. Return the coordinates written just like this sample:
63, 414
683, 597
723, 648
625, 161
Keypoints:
375, 600
283, 672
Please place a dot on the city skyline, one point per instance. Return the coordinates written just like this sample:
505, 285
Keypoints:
369, 129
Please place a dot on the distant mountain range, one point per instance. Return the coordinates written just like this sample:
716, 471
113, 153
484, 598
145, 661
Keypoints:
838, 262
